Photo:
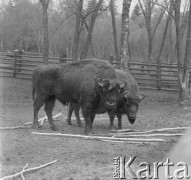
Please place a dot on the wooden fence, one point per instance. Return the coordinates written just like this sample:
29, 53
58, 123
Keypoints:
148, 76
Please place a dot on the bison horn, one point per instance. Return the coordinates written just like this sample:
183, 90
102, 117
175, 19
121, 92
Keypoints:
142, 96
100, 82
123, 84
110, 87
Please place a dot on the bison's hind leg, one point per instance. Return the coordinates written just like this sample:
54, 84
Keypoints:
119, 116
87, 114
77, 111
49, 105
37, 104
70, 111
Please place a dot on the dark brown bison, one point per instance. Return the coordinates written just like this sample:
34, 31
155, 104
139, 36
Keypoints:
90, 83
128, 103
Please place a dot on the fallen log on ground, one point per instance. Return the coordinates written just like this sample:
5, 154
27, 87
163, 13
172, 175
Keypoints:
114, 141
99, 137
145, 135
41, 120
22, 176
55, 116
29, 124
15, 127
24, 170
131, 131
97, 119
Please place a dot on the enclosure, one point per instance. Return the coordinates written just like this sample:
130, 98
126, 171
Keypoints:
79, 158
148, 38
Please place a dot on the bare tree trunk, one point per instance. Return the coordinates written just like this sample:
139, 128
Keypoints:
77, 31
45, 4
148, 24
171, 42
165, 33
176, 6
2, 45
114, 31
183, 67
147, 12
84, 52
124, 52
147, 15
185, 85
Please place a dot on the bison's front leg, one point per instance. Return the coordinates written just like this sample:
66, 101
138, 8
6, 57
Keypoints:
49, 105
76, 108
70, 111
92, 118
87, 114
119, 117
111, 118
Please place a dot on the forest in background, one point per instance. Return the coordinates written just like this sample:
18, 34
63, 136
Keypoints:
21, 25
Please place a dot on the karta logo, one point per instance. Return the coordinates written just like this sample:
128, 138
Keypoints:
167, 170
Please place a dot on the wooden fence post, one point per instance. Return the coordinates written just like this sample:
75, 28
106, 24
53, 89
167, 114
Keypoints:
159, 71
14, 64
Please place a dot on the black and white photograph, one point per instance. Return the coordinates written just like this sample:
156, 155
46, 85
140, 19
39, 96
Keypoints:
95, 89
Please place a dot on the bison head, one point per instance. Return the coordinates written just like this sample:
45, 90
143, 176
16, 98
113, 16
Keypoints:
130, 104
110, 90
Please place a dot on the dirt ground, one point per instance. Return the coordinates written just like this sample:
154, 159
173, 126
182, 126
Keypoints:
78, 159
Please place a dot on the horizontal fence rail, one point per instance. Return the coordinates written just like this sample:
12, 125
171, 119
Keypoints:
148, 76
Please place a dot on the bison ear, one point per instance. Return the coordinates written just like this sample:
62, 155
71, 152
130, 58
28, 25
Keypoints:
142, 96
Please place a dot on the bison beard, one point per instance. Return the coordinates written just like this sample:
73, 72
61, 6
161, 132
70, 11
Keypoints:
90, 83
128, 102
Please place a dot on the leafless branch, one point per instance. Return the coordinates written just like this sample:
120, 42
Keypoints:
99, 137
24, 170
166, 9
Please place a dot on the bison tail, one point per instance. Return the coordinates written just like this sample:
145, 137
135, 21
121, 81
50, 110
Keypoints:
33, 87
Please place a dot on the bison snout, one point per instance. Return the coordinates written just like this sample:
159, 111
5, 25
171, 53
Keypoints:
110, 104
132, 118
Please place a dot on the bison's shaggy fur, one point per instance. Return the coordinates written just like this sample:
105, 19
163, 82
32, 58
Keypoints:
90, 83
128, 102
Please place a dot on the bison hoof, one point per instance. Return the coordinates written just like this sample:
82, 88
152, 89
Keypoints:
80, 125
54, 128
112, 128
68, 121
88, 132
36, 126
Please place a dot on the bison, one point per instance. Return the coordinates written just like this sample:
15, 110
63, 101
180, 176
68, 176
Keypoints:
90, 83
128, 102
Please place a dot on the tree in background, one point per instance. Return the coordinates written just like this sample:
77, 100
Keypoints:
77, 30
147, 7
170, 11
113, 12
183, 65
45, 4
62, 29
124, 52
136, 12
90, 28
